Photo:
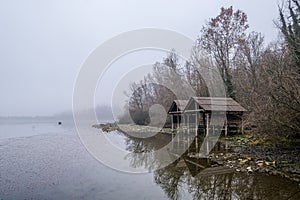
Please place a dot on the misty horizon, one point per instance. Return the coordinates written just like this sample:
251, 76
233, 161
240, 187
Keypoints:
42, 52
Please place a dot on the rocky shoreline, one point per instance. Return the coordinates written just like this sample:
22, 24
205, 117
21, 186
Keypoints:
247, 157
108, 127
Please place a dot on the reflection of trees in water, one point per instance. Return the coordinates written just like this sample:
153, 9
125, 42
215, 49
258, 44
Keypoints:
179, 176
169, 179
224, 186
173, 179
143, 154
138, 145
211, 187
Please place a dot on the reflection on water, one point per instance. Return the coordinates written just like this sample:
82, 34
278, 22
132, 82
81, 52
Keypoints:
53, 164
202, 178
173, 179
57, 166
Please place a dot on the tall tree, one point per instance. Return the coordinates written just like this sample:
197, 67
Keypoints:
221, 37
290, 28
247, 74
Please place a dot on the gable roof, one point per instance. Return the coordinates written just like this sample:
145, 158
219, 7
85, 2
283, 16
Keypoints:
217, 104
181, 104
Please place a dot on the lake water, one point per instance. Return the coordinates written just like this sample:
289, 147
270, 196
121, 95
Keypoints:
48, 161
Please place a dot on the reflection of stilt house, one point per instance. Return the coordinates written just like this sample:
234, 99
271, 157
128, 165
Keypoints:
207, 114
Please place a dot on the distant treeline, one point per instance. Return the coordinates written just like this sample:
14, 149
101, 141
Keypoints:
103, 113
26, 119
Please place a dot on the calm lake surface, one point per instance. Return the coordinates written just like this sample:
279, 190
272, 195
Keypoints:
48, 161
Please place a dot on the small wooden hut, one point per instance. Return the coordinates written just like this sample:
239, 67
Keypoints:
197, 113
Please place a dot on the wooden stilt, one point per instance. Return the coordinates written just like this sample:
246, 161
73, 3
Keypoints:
188, 121
226, 127
177, 119
172, 122
196, 142
196, 123
207, 118
207, 147
188, 134
172, 141
242, 126
183, 138
178, 135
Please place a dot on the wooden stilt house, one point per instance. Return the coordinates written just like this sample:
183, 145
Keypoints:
207, 114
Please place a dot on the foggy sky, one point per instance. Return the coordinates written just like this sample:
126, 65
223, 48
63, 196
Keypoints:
44, 43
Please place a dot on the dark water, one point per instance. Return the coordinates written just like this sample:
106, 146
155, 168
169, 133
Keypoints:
201, 178
47, 161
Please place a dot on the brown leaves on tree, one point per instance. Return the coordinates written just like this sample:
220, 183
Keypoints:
224, 32
221, 38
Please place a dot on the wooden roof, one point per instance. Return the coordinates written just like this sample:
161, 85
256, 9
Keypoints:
217, 104
181, 104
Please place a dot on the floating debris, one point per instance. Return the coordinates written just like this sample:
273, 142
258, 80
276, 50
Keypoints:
249, 169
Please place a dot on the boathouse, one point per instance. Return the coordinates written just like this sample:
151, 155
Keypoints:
196, 113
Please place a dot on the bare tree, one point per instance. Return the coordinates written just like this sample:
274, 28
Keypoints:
290, 28
247, 73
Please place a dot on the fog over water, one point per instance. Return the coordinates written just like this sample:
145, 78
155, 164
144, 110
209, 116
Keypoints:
47, 161
44, 43
44, 160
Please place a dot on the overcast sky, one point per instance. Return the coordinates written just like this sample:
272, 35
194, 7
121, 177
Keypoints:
44, 43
